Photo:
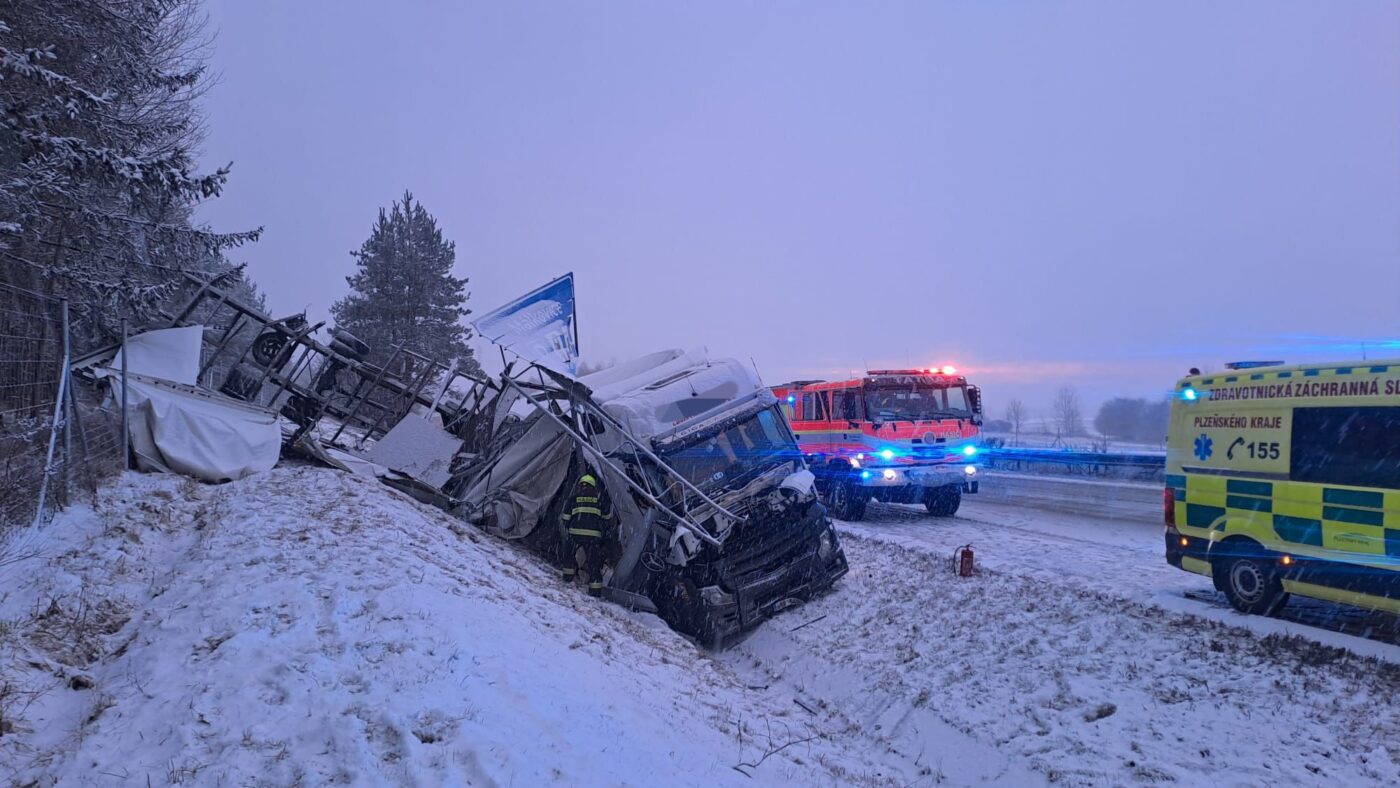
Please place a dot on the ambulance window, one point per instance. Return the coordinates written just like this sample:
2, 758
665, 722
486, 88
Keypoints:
818, 407
1346, 446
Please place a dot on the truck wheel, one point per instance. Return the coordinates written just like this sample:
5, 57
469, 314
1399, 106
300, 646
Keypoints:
678, 603
1251, 584
943, 501
846, 501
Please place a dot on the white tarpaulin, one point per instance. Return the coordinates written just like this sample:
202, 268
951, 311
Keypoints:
183, 429
168, 354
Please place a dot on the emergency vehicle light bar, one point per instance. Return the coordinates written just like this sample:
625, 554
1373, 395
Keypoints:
947, 370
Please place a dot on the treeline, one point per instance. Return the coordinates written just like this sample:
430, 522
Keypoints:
99, 126
1121, 418
1137, 420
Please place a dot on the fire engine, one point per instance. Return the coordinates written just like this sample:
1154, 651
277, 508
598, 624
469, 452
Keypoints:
893, 435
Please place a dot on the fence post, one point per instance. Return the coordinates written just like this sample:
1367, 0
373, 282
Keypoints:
67, 405
126, 434
59, 408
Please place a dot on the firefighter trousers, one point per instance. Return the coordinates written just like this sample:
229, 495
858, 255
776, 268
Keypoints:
584, 553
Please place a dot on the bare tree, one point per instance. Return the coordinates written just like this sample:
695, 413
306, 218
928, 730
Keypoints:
1065, 410
1016, 415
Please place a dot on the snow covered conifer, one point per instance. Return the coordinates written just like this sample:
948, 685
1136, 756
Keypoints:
98, 132
403, 291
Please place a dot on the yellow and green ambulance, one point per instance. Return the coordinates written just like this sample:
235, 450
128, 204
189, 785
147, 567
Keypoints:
1286, 480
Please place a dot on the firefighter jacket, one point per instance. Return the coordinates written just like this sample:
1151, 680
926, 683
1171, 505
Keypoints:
589, 514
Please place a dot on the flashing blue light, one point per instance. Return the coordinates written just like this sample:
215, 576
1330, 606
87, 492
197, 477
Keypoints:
969, 450
792, 399
865, 474
1189, 395
887, 454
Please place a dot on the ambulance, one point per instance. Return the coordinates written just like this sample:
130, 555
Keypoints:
1286, 480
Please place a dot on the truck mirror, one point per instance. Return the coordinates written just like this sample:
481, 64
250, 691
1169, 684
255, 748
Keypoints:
974, 398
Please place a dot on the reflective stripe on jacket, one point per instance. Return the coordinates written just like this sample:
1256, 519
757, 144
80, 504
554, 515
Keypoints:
589, 511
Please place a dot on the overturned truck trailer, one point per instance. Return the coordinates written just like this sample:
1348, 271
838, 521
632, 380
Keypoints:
718, 522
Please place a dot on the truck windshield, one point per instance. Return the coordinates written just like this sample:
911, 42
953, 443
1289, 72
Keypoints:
916, 403
744, 448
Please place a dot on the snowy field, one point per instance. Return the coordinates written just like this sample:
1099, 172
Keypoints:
1075, 653
311, 627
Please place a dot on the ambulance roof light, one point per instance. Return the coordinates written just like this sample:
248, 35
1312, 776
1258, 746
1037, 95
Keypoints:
1252, 364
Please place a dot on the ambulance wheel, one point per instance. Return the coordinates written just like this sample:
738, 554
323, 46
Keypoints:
943, 501
1251, 584
845, 501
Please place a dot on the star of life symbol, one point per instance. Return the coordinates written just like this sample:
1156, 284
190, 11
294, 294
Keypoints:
1204, 447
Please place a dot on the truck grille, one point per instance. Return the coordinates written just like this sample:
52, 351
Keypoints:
761, 548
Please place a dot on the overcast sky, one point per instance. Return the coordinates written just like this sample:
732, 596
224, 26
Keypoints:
1095, 193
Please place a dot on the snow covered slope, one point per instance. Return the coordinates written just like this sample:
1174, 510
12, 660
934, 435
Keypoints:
306, 626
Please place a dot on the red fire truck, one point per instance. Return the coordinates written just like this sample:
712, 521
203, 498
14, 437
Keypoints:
894, 435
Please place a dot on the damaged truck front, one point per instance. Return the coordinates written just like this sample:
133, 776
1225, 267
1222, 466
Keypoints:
718, 522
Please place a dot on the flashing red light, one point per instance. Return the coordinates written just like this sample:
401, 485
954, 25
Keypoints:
950, 370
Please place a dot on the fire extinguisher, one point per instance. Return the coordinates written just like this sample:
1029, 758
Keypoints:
962, 559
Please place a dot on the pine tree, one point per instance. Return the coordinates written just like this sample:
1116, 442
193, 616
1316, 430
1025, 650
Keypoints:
404, 293
98, 131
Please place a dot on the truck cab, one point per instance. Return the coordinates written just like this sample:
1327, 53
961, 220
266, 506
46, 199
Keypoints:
713, 423
897, 436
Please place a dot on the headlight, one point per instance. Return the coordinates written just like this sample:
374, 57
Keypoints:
889, 474
970, 470
824, 547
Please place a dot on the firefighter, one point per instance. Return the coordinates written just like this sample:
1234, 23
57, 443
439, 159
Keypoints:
588, 520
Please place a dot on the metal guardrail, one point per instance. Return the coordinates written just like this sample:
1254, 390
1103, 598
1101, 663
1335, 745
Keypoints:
1088, 459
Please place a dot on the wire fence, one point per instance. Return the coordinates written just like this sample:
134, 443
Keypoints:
59, 436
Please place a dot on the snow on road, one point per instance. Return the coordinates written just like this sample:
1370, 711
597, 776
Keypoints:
1118, 557
1060, 657
306, 626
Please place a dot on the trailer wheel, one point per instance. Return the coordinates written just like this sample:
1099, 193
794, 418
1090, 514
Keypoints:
348, 345
845, 500
943, 501
1251, 583
267, 346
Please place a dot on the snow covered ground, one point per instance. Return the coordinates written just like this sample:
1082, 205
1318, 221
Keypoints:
1068, 655
306, 626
